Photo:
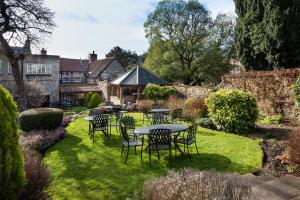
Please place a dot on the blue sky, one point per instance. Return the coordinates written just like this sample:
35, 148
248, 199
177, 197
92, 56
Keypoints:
99, 25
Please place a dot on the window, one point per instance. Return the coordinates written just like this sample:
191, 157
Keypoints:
78, 79
9, 71
38, 68
1, 67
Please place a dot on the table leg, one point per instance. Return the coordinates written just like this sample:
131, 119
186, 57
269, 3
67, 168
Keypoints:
176, 144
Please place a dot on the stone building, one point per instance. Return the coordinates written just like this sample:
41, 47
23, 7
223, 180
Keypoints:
40, 69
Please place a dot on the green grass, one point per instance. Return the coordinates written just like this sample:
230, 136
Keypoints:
83, 170
74, 109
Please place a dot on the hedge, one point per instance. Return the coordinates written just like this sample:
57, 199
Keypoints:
88, 98
156, 92
232, 110
40, 119
96, 100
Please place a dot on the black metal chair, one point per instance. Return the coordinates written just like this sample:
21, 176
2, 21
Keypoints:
129, 123
176, 115
95, 112
159, 140
159, 118
127, 142
99, 123
189, 139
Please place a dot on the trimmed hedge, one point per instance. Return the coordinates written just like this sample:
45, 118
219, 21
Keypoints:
40, 119
88, 98
232, 110
156, 92
96, 100
12, 176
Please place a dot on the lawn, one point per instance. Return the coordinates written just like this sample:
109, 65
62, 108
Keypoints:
74, 109
81, 169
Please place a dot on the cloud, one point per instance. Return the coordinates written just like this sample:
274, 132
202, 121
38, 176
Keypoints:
86, 18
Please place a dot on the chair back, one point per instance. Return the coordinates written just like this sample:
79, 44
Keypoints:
159, 139
177, 113
128, 122
159, 118
124, 134
192, 132
95, 112
100, 121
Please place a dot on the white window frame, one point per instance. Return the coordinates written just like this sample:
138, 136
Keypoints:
38, 69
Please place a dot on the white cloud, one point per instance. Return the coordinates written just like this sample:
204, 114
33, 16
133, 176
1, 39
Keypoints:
84, 26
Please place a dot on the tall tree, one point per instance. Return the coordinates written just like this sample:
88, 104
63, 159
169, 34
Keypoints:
268, 33
184, 27
126, 58
20, 21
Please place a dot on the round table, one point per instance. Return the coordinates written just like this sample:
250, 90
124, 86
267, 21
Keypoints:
160, 110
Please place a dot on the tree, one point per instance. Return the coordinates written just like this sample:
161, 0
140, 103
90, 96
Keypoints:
12, 176
126, 58
268, 33
183, 26
21, 21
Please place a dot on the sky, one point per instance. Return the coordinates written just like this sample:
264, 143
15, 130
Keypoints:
84, 26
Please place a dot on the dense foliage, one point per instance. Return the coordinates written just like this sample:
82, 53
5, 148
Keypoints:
96, 100
194, 108
156, 92
88, 98
126, 58
232, 110
186, 45
11, 164
268, 33
40, 119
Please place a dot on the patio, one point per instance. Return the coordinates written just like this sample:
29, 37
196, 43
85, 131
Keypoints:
82, 169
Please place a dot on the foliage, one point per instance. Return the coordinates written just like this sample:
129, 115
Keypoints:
96, 100
194, 184
174, 102
272, 89
194, 108
23, 22
145, 105
268, 34
88, 98
11, 164
156, 92
40, 119
206, 123
77, 159
37, 176
42, 140
293, 147
232, 110
126, 58
275, 119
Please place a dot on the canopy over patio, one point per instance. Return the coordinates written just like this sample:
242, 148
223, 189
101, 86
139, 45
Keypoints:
129, 86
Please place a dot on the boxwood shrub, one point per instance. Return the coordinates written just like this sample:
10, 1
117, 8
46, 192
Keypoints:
96, 100
232, 111
40, 119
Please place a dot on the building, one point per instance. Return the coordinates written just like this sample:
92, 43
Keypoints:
41, 69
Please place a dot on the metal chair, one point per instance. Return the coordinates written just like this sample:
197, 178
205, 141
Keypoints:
127, 142
99, 123
129, 123
159, 140
95, 112
176, 115
189, 139
159, 118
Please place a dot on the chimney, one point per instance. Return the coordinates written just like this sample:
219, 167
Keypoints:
93, 57
27, 46
43, 52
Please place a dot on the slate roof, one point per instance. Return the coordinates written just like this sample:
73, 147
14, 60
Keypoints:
73, 65
79, 88
138, 76
99, 66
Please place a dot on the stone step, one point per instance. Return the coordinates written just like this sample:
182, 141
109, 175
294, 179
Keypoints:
291, 181
257, 180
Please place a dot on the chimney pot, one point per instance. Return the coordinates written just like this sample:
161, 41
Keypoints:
93, 57
43, 52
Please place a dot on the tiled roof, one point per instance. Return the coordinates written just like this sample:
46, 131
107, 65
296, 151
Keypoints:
73, 65
98, 66
79, 88
138, 76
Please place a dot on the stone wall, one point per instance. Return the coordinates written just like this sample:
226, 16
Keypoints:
193, 91
105, 88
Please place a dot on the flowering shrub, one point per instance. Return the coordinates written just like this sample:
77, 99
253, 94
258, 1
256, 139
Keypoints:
173, 102
42, 140
133, 107
145, 105
66, 121
37, 176
194, 108
232, 110
193, 184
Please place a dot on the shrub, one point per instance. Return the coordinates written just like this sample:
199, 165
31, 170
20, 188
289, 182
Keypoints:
42, 140
193, 184
276, 119
173, 102
194, 108
88, 98
40, 119
145, 105
156, 92
232, 110
294, 147
96, 100
37, 177
11, 164
206, 123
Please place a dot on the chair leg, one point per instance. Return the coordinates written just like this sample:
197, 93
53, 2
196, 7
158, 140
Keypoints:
188, 149
122, 149
135, 150
141, 153
196, 148
158, 156
127, 154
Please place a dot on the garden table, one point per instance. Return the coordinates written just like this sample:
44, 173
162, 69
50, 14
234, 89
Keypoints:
175, 129
160, 110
